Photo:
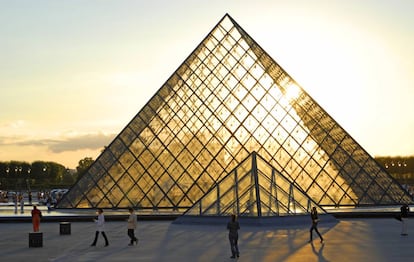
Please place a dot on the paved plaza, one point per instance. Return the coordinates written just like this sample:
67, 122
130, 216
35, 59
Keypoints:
353, 240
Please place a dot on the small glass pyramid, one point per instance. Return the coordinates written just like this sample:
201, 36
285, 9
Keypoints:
254, 189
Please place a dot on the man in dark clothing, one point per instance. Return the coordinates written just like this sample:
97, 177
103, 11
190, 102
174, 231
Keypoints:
315, 220
233, 227
404, 219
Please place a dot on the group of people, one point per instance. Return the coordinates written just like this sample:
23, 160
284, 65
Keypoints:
233, 227
131, 226
100, 225
18, 199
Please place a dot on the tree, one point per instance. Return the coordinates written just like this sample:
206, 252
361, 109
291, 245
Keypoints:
83, 166
19, 175
68, 178
56, 172
39, 173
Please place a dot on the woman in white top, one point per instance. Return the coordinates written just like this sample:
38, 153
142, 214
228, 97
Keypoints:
132, 225
100, 227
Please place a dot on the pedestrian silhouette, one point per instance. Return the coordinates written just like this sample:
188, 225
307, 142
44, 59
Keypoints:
404, 219
132, 225
36, 216
233, 227
315, 220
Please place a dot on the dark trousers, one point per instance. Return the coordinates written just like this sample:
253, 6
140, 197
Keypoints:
233, 245
96, 238
132, 235
315, 227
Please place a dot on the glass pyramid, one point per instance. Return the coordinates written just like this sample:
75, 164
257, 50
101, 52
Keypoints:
254, 189
226, 100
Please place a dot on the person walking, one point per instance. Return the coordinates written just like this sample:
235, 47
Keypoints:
36, 216
30, 197
315, 220
404, 219
132, 225
233, 227
21, 201
100, 227
15, 202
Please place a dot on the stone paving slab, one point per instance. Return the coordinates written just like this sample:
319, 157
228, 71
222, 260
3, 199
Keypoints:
349, 240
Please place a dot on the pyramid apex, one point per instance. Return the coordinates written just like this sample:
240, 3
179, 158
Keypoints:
228, 16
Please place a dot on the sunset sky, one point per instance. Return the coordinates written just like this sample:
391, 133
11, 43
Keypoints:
74, 73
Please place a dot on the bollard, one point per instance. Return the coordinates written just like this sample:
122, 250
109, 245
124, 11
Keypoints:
64, 228
36, 239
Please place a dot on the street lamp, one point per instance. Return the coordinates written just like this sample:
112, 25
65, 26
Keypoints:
399, 169
28, 179
17, 169
41, 193
44, 174
7, 178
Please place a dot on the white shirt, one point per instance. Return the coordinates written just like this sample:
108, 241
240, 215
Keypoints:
100, 223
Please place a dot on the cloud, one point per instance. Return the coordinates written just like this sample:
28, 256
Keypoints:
63, 144
87, 141
14, 124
